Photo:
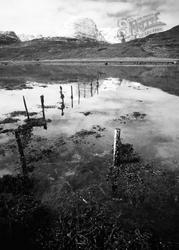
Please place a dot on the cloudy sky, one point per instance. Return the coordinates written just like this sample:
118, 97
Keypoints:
55, 17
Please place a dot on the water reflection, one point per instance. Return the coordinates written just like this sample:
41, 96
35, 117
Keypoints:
72, 96
78, 94
91, 86
97, 87
62, 103
109, 103
84, 87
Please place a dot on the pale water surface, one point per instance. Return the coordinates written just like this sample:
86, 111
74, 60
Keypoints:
155, 134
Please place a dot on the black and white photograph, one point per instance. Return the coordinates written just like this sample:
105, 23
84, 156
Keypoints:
89, 124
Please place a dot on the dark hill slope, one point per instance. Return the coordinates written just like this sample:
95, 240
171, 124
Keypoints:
54, 48
164, 44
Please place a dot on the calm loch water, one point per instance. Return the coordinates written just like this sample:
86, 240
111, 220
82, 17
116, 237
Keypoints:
147, 116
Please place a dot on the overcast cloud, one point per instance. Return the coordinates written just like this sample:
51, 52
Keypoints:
55, 17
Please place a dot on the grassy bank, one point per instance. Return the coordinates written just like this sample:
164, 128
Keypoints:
135, 206
16, 76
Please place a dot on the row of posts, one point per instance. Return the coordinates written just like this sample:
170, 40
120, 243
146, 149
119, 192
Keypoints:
62, 97
18, 137
117, 140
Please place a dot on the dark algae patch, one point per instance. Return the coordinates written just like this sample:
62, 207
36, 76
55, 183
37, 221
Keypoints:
87, 113
13, 117
135, 116
83, 134
138, 115
8, 120
21, 113
133, 206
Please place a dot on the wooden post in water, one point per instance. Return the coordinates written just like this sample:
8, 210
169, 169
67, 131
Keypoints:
91, 88
61, 93
21, 153
43, 111
42, 104
78, 94
60, 90
72, 96
117, 141
27, 112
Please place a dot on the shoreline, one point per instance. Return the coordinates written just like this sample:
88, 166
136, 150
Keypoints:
128, 61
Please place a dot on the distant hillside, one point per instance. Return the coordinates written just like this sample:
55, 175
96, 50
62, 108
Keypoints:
164, 44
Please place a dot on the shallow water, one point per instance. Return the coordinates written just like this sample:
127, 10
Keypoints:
155, 135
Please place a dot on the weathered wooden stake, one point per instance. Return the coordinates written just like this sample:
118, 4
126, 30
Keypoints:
42, 104
117, 141
43, 111
91, 88
27, 112
71, 92
21, 153
61, 93
72, 96
61, 90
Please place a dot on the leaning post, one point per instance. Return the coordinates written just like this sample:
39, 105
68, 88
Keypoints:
25, 105
21, 153
42, 104
91, 88
43, 110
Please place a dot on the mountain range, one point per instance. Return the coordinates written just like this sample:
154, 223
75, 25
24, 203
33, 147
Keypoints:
164, 44
8, 37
